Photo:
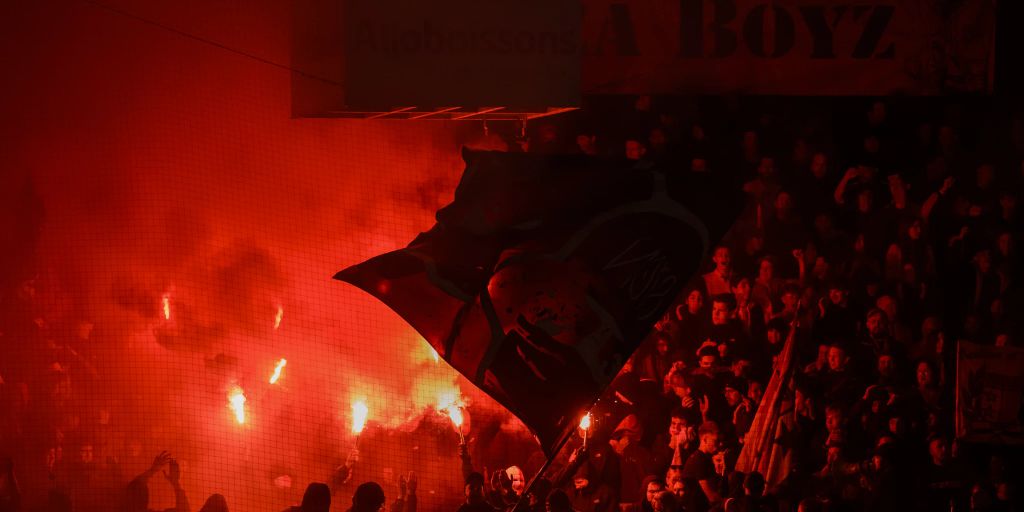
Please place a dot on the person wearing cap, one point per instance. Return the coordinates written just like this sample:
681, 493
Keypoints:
634, 460
592, 491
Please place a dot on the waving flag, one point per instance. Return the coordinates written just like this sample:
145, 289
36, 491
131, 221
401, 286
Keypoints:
543, 275
762, 450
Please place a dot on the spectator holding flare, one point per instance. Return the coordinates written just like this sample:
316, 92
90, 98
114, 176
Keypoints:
633, 460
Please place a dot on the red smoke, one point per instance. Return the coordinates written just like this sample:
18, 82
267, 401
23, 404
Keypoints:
185, 244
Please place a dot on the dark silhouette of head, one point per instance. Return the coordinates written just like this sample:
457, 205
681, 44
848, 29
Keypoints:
558, 501
137, 496
317, 498
215, 503
369, 497
475, 488
58, 501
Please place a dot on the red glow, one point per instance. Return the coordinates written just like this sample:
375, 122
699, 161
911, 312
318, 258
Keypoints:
236, 402
181, 164
278, 317
277, 370
360, 412
585, 422
455, 413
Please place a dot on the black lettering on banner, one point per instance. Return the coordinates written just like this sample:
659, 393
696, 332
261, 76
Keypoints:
487, 41
822, 32
625, 38
547, 43
568, 41
504, 42
691, 29
874, 29
725, 39
433, 40
365, 40
784, 35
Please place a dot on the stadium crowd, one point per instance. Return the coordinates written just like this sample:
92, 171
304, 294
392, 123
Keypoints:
878, 235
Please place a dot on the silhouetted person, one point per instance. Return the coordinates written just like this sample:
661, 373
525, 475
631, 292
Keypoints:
369, 497
58, 501
137, 498
10, 494
476, 497
215, 503
558, 501
316, 499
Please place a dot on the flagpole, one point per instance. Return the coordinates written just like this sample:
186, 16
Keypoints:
524, 501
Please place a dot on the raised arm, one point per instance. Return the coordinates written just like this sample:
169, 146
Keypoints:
173, 475
467, 462
163, 458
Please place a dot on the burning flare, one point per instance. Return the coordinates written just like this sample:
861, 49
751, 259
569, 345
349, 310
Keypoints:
277, 370
455, 413
167, 306
279, 316
450, 403
585, 425
585, 422
433, 354
359, 414
236, 401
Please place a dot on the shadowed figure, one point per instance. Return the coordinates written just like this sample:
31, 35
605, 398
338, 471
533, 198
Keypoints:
215, 503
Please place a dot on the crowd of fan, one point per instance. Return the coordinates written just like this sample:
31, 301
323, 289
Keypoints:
878, 239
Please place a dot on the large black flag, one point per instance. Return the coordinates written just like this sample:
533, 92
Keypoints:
544, 274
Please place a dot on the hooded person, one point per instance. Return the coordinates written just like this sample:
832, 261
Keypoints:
635, 462
592, 490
